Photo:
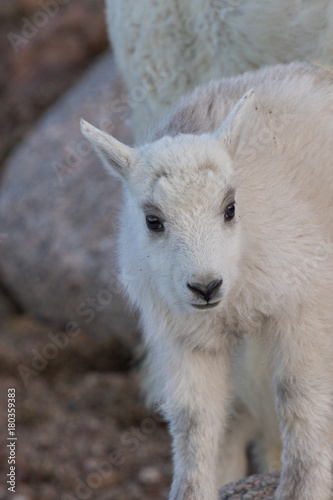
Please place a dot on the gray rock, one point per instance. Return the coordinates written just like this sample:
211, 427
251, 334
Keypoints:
58, 212
260, 487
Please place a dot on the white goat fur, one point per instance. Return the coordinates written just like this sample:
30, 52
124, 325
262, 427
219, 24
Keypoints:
272, 329
165, 48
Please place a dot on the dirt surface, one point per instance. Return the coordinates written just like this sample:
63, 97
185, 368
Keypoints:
82, 431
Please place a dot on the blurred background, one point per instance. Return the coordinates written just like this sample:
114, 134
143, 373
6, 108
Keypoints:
41, 58
82, 429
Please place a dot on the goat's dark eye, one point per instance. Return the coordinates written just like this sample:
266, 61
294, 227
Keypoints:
229, 212
154, 224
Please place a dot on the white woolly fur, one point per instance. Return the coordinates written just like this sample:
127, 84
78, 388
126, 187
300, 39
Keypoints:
264, 141
165, 48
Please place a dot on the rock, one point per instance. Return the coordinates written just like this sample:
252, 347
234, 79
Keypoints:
149, 475
259, 487
45, 46
58, 210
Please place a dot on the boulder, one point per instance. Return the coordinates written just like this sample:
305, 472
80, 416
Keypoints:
45, 46
259, 487
58, 211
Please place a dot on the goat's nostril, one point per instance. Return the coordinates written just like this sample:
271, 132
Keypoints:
213, 286
197, 288
206, 292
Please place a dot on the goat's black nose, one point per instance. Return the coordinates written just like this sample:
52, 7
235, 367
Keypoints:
206, 292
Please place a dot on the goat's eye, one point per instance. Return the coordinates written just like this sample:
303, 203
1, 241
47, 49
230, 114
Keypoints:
229, 212
154, 224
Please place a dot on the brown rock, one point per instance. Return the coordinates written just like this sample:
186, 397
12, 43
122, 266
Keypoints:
58, 209
45, 46
260, 487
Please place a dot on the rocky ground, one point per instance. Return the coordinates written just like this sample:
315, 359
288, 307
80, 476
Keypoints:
82, 430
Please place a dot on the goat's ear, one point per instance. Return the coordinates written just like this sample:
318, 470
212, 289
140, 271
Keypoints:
237, 126
116, 156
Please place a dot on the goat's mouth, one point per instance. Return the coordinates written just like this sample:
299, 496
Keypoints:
209, 305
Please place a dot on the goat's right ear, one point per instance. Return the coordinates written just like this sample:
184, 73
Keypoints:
116, 156
237, 126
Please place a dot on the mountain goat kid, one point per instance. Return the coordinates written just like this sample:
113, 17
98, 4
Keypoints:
226, 243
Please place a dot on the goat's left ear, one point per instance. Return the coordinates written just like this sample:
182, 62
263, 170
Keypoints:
116, 156
237, 126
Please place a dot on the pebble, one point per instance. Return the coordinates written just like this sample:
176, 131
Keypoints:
149, 475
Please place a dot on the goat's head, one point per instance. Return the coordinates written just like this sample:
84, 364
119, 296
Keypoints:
179, 228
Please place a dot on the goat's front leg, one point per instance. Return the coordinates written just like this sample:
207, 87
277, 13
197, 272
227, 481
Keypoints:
302, 358
195, 403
